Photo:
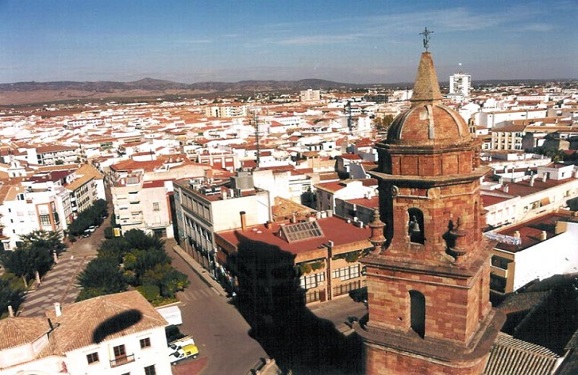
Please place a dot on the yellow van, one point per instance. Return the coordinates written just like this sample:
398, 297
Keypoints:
184, 352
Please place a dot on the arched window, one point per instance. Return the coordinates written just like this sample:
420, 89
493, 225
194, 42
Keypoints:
415, 226
417, 312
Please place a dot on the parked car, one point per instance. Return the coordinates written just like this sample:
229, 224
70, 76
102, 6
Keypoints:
181, 349
183, 341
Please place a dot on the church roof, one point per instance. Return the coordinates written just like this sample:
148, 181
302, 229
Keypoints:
428, 122
513, 356
426, 87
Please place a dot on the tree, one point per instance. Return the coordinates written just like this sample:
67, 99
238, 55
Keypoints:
25, 261
102, 274
166, 278
51, 241
140, 240
9, 296
93, 215
116, 248
141, 261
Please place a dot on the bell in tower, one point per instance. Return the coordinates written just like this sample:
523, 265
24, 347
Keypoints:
428, 287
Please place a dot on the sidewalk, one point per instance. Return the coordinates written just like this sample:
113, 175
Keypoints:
199, 270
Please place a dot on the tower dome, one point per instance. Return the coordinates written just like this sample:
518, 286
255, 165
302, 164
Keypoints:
428, 122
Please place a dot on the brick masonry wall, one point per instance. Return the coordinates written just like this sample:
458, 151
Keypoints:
454, 307
381, 361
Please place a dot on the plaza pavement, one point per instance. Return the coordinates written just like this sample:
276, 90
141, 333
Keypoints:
59, 284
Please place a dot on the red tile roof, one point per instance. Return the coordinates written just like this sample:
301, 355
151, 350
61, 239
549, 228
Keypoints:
334, 229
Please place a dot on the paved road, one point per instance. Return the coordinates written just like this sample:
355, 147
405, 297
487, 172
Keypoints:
223, 334
219, 330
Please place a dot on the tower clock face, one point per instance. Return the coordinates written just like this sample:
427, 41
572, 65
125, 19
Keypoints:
394, 190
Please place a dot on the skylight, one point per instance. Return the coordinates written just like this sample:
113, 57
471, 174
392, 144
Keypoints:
301, 231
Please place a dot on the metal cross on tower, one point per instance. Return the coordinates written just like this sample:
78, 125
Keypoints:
426, 33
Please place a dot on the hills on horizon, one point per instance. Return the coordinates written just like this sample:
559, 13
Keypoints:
22, 93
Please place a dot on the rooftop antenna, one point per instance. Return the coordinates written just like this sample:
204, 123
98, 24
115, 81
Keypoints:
349, 119
256, 123
426, 33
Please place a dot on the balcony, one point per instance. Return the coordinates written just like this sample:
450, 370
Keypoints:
122, 360
158, 225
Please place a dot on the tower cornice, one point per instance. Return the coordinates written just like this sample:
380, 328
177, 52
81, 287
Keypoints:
430, 181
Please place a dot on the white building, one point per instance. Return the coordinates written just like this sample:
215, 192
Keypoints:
113, 334
206, 206
86, 188
460, 84
310, 95
141, 192
520, 197
526, 252
332, 196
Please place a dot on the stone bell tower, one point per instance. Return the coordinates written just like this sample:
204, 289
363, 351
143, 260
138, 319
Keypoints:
428, 282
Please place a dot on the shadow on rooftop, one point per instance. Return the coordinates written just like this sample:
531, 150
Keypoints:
116, 323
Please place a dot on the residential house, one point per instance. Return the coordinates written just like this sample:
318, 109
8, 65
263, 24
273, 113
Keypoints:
112, 334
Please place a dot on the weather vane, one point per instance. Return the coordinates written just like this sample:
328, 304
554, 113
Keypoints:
426, 33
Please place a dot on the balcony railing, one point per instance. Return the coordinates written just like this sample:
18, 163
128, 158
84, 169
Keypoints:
122, 360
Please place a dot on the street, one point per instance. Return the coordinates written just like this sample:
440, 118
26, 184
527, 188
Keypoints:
219, 330
225, 342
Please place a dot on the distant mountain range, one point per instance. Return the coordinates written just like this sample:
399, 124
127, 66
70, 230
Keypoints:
62, 91
34, 93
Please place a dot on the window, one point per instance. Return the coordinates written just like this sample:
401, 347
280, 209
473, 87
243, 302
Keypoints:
145, 343
150, 370
346, 273
119, 351
44, 219
307, 282
500, 262
417, 312
156, 206
92, 358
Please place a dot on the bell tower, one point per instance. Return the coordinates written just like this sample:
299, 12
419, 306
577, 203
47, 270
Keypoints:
428, 284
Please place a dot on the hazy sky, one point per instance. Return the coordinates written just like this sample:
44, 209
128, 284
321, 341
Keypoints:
232, 40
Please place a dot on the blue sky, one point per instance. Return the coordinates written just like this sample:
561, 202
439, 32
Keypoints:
233, 40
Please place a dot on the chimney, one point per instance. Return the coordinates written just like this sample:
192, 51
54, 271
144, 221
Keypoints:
506, 188
10, 311
57, 309
243, 221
